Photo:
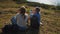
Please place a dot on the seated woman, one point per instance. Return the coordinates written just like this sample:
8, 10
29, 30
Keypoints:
20, 19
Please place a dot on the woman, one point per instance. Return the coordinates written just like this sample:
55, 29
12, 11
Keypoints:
20, 19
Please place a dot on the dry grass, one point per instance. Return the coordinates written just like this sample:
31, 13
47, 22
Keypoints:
51, 22
49, 18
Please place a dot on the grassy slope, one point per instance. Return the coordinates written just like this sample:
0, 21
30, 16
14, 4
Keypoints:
49, 18
51, 23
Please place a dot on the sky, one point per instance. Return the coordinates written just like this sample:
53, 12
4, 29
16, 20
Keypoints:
50, 2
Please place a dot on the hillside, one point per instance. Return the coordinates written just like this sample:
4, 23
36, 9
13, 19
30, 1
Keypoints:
34, 4
50, 18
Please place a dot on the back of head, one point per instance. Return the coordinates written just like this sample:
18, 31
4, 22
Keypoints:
22, 10
37, 9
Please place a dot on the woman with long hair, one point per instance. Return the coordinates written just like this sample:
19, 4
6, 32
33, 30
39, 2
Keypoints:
20, 19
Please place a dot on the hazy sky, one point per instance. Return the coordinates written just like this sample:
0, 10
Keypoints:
50, 2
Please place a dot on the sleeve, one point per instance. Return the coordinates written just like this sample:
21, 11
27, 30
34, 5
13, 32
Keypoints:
13, 20
39, 18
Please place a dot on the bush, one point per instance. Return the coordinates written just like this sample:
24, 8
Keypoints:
58, 7
34, 4
20, 1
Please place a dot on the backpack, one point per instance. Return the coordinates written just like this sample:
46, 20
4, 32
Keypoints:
10, 29
34, 22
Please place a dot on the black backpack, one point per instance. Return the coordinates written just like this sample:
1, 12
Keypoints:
9, 29
34, 22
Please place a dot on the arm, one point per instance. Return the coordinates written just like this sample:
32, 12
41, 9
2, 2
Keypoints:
13, 20
28, 21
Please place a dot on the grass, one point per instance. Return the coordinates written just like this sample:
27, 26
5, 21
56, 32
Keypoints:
51, 22
10, 4
49, 18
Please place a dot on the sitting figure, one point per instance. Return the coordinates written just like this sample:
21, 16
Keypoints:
35, 18
20, 19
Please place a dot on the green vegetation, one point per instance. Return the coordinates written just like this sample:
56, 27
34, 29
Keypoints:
58, 7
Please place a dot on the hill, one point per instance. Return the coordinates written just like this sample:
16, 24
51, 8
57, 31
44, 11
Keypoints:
49, 16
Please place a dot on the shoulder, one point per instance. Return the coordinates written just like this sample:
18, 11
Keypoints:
15, 16
26, 14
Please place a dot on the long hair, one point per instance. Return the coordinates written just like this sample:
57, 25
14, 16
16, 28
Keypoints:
22, 11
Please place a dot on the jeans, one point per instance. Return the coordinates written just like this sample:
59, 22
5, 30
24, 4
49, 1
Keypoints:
22, 28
